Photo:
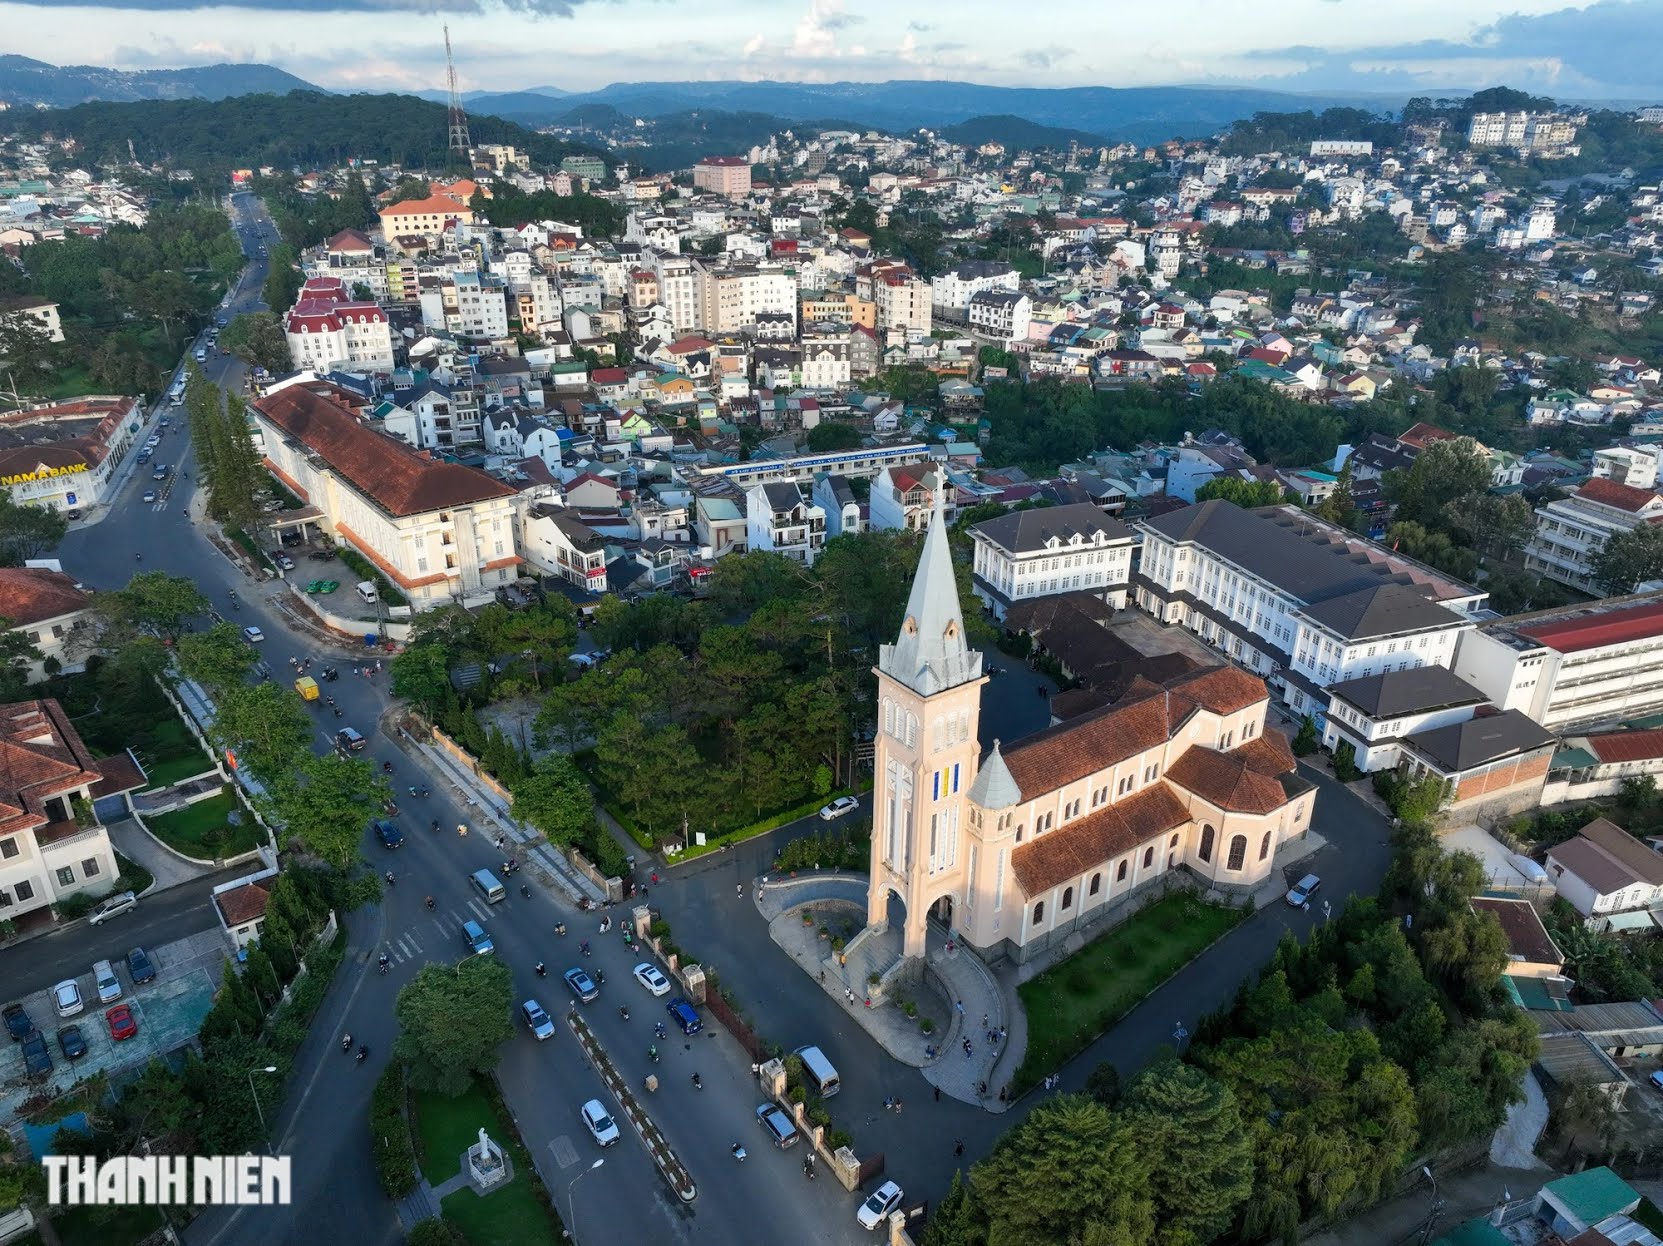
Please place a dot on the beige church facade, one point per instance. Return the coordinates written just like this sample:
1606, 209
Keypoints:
1018, 848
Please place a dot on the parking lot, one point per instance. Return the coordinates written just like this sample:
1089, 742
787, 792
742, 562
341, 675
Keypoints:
169, 1011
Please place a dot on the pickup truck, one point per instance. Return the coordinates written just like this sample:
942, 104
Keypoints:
18, 1024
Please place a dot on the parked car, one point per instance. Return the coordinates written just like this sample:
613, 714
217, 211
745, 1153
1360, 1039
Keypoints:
684, 1016
583, 986
121, 1022
838, 808
71, 1043
1300, 893
66, 998
649, 976
18, 1024
109, 986
113, 906
875, 1210
37, 1060
139, 966
388, 833
777, 1125
600, 1123
537, 1019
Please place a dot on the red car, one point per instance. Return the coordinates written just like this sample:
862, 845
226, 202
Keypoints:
121, 1023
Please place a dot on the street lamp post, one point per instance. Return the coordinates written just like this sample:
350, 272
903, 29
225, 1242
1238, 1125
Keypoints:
570, 1214
258, 1111
1437, 1207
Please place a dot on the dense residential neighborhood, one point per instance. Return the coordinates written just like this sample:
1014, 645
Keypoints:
1194, 605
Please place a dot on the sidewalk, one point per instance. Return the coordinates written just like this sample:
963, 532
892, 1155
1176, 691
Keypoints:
1474, 1192
971, 991
168, 868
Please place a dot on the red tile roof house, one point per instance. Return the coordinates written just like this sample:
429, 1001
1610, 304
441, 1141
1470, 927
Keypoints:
440, 532
51, 843
49, 608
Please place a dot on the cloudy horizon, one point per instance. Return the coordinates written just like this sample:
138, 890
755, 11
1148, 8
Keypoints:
1589, 49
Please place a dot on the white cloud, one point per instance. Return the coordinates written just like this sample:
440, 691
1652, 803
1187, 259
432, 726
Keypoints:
753, 45
815, 37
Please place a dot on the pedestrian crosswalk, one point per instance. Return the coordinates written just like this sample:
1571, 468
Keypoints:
438, 930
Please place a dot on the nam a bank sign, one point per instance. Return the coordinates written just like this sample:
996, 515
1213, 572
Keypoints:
43, 472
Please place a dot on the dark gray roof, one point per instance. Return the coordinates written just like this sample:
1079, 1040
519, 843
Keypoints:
969, 270
1280, 546
1396, 693
781, 495
1463, 746
1023, 532
996, 298
1383, 610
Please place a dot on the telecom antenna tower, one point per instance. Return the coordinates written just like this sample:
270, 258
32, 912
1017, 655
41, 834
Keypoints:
458, 119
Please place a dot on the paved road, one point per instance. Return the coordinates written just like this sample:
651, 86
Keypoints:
68, 951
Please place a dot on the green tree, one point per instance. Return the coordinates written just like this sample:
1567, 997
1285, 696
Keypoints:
1442, 473
27, 531
1629, 559
1072, 1172
325, 801
283, 279
27, 352
830, 435
555, 798
264, 724
956, 1220
1199, 1155
257, 338
154, 602
217, 658
1305, 739
1244, 493
421, 675
453, 1021
1340, 506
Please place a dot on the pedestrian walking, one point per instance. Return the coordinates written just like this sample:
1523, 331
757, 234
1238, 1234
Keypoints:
739, 891
981, 1090
1004, 1093
984, 1021
958, 1004
938, 1094
958, 1148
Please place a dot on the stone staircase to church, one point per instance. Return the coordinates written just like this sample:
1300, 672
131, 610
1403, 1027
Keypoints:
875, 950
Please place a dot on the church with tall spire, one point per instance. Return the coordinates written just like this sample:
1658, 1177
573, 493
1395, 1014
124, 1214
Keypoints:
1017, 848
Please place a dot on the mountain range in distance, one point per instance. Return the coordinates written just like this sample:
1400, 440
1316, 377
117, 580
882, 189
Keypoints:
27, 83
1003, 114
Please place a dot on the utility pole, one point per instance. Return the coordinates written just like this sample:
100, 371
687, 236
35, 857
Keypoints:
459, 141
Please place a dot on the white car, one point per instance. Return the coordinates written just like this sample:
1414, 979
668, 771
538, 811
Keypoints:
838, 807
115, 906
67, 997
648, 975
253, 635
600, 1124
875, 1210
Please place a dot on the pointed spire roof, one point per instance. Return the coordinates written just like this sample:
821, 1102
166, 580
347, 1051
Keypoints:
994, 787
930, 654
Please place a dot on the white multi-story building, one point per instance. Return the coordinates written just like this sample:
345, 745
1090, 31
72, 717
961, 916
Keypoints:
826, 355
680, 283
1000, 315
1054, 549
1304, 603
731, 299
903, 301
1575, 667
1634, 466
558, 543
802, 468
441, 532
52, 845
1571, 532
951, 291
468, 305
1546, 133
327, 330
778, 518
536, 304
903, 498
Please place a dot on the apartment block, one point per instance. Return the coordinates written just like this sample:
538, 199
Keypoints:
1052, 550
1571, 532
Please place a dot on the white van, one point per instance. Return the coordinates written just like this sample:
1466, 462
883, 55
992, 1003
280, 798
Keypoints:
487, 885
366, 590
818, 1071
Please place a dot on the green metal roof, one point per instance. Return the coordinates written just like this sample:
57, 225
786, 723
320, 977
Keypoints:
1592, 1195
1640, 919
1573, 758
1532, 994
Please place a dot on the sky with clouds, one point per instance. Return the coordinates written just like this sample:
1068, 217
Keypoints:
1591, 49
